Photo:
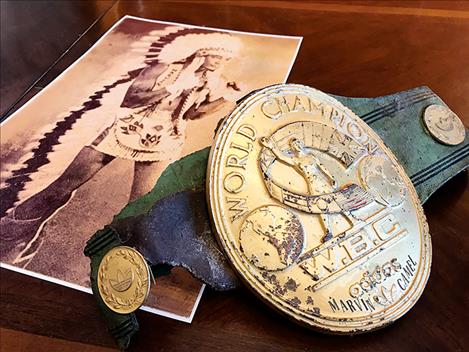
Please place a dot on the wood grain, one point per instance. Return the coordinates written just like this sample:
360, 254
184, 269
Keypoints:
349, 48
13, 340
34, 35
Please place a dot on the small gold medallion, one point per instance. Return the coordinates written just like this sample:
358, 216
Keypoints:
444, 125
123, 279
315, 212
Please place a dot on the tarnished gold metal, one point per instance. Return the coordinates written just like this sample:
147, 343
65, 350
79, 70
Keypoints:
315, 213
444, 125
123, 279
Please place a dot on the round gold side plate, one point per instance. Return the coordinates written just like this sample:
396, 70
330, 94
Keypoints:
315, 213
123, 279
444, 125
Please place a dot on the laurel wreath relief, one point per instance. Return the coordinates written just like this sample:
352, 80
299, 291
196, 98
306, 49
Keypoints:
140, 287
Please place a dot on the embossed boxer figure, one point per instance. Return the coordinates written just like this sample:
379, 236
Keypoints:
316, 175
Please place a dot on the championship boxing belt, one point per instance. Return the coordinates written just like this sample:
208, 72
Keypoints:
280, 241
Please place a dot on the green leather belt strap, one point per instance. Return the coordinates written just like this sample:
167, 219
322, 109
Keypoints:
121, 326
398, 121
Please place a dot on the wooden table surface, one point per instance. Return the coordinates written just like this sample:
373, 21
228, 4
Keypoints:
349, 48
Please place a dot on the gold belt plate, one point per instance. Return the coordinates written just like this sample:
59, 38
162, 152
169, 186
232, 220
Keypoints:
315, 213
123, 279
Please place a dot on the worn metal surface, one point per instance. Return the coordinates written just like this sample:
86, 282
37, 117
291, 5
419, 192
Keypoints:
315, 212
444, 125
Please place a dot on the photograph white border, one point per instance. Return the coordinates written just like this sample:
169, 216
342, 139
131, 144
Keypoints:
88, 290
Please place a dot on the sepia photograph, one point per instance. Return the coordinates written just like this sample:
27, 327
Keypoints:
98, 137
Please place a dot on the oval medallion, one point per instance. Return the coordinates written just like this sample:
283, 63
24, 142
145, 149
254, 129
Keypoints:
444, 125
123, 279
315, 213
